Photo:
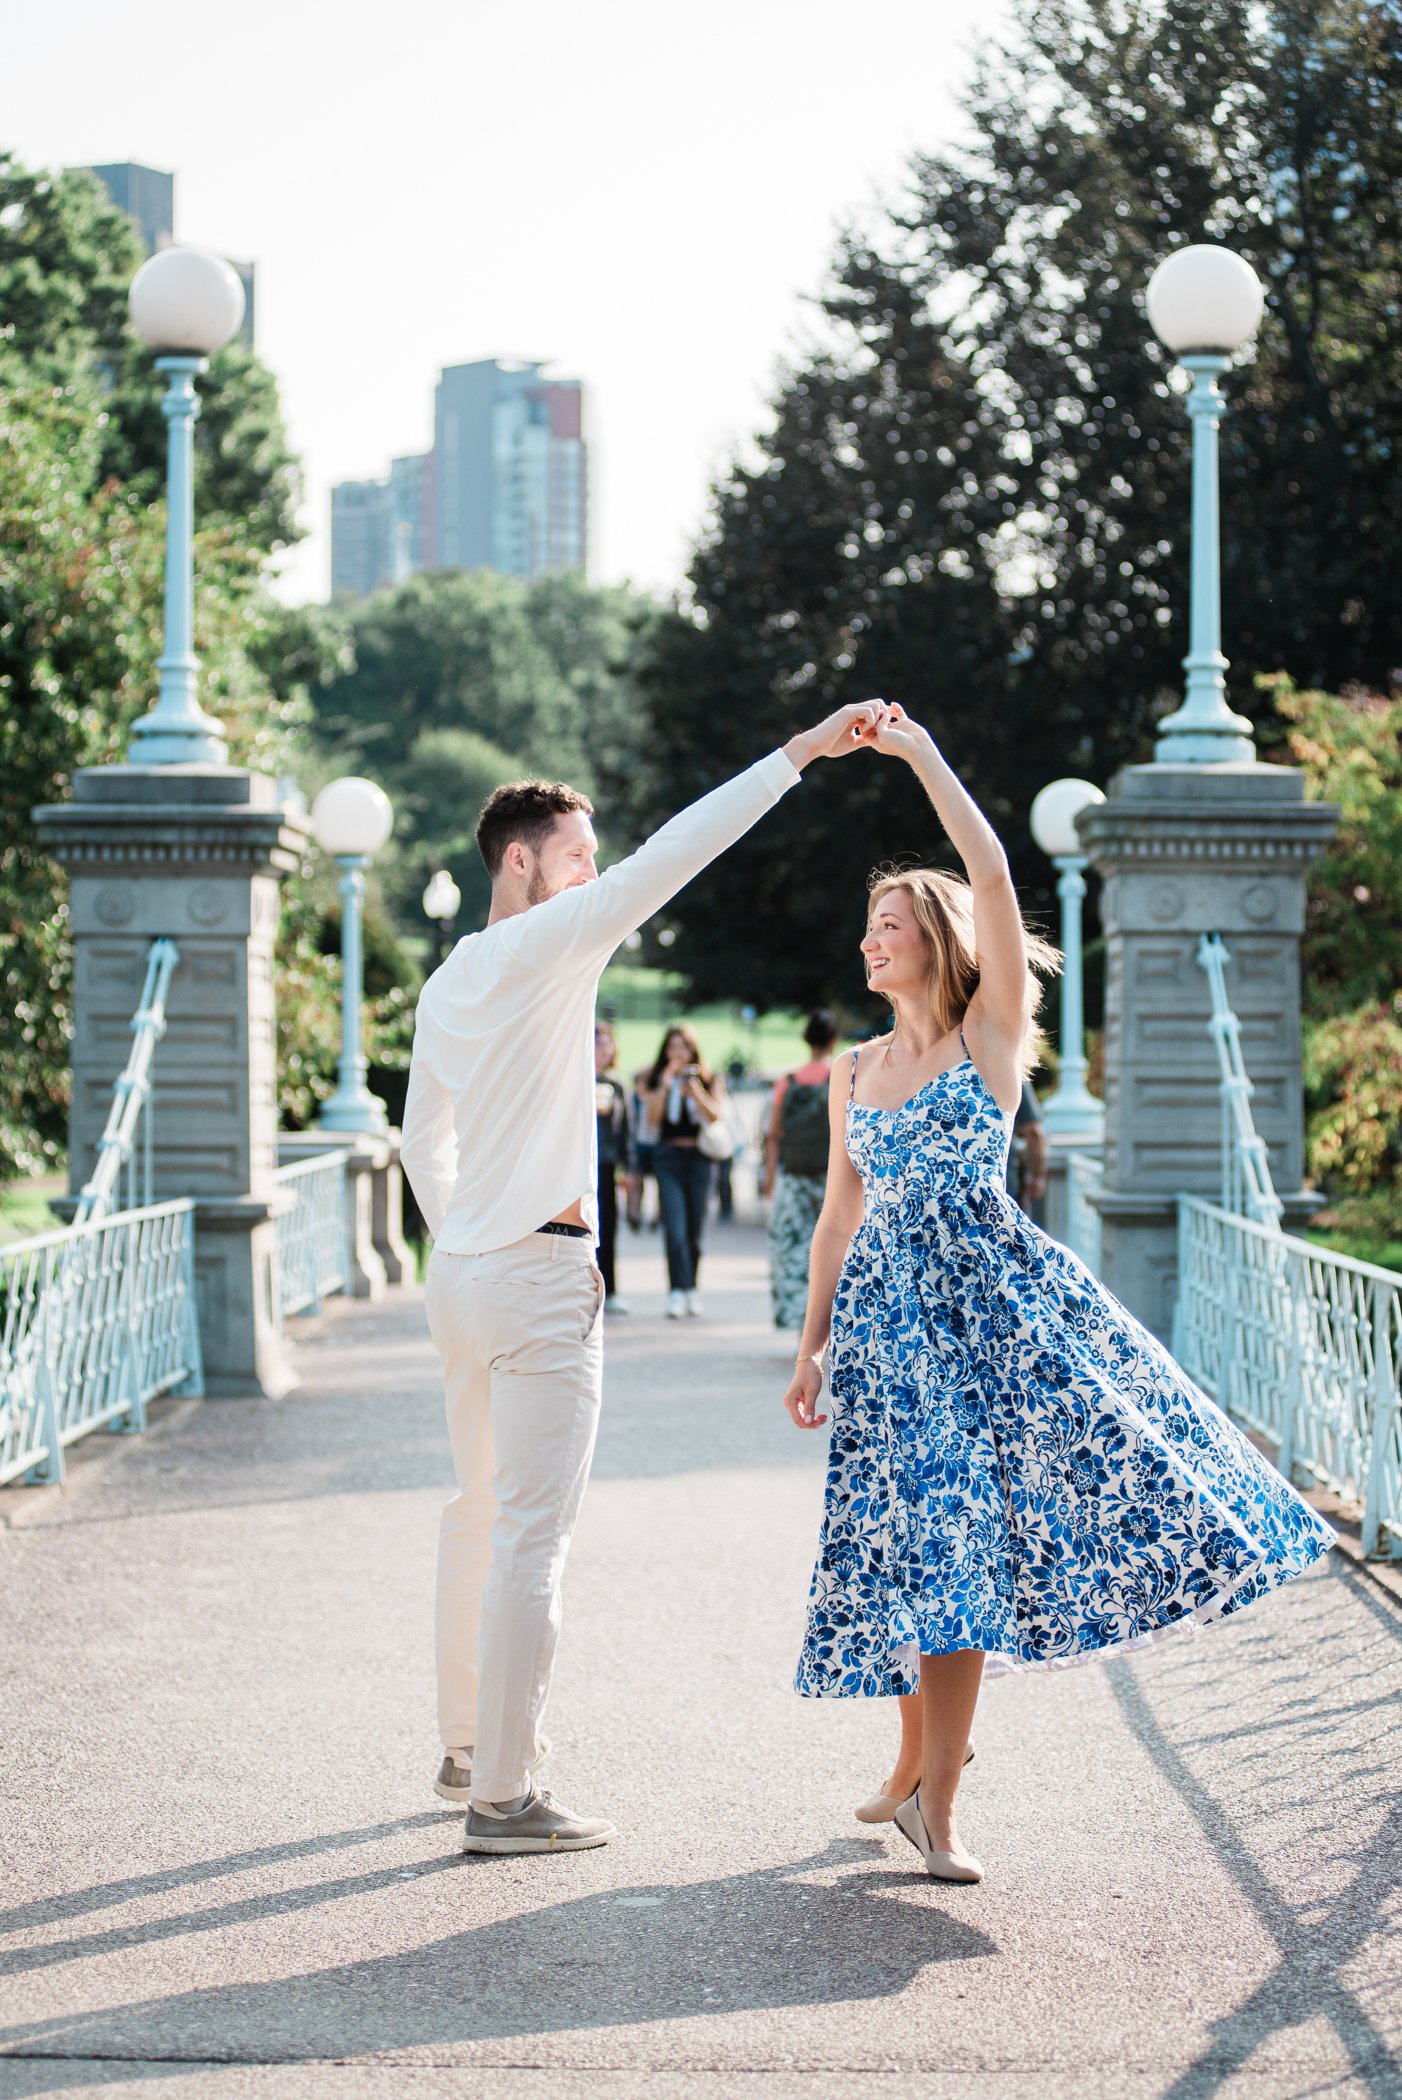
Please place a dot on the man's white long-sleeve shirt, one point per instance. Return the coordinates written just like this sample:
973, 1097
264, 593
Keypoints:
499, 1125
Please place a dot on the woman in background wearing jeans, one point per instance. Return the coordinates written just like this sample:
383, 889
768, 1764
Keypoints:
682, 1096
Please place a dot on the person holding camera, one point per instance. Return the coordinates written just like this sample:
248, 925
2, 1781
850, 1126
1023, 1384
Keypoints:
683, 1097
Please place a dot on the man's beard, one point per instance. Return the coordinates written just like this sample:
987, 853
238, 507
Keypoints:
537, 889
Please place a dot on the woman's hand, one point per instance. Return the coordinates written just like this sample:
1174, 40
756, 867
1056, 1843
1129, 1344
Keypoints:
706, 1100
899, 736
801, 1399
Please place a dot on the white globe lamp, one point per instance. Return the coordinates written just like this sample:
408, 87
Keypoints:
352, 819
1204, 302
352, 816
1071, 1110
185, 302
186, 305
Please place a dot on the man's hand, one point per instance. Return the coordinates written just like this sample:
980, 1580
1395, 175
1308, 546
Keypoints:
849, 729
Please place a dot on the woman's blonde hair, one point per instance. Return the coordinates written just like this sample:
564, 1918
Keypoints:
943, 905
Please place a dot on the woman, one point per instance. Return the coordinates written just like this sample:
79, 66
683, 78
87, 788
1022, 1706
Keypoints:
1018, 1470
795, 1169
681, 1097
611, 1109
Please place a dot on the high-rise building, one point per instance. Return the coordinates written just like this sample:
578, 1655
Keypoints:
362, 538
411, 513
510, 489
147, 196
381, 531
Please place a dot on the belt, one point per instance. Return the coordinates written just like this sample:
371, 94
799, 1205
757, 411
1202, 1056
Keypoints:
569, 1232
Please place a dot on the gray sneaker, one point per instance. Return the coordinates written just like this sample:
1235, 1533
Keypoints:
454, 1781
541, 1826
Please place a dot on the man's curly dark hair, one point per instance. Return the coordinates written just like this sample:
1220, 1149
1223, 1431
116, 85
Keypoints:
526, 810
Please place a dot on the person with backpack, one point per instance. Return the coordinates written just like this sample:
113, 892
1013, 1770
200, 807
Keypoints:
795, 1169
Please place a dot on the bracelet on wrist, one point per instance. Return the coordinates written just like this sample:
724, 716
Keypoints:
815, 1358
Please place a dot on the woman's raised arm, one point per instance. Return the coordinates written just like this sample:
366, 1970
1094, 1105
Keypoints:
999, 1008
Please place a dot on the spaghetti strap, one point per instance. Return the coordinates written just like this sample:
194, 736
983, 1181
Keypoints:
852, 1078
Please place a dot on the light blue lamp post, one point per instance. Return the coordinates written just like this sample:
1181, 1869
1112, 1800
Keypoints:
1204, 303
185, 304
1071, 1110
351, 819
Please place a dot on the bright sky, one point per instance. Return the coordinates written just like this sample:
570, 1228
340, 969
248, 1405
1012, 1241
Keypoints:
638, 193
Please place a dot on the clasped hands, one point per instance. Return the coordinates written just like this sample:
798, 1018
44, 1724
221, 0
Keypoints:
878, 725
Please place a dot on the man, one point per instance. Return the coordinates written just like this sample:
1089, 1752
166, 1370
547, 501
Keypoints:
499, 1144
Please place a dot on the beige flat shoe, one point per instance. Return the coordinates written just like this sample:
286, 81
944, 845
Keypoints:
940, 1866
882, 1807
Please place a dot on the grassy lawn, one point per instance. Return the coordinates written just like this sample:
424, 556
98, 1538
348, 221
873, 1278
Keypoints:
1384, 1254
644, 1002
24, 1207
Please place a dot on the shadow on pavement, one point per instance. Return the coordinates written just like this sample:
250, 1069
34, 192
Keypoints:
737, 1943
1317, 1934
48, 1910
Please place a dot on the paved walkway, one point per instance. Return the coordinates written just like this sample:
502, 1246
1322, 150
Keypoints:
226, 1873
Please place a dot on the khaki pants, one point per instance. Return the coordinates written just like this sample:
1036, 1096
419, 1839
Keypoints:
521, 1340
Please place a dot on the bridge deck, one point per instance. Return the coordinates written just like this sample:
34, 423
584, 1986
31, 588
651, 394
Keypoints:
226, 1860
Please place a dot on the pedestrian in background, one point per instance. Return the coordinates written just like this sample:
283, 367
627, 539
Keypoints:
795, 1169
611, 1109
683, 1097
1027, 1155
643, 1149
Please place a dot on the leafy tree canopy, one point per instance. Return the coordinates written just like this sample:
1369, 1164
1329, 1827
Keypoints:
976, 499
456, 681
67, 258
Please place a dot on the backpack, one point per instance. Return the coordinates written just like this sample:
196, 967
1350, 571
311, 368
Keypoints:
803, 1131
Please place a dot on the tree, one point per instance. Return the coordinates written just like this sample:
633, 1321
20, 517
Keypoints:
67, 258
976, 499
460, 680
1350, 747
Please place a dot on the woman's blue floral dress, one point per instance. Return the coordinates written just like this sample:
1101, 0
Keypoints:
1016, 1464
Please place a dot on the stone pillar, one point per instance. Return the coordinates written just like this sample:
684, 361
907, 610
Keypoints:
195, 853
1185, 850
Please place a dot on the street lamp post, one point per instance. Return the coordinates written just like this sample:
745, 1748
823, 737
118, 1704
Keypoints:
186, 304
1204, 303
441, 901
351, 819
1071, 1110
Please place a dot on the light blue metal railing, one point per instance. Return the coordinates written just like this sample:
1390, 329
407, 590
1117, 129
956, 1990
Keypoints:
313, 1256
1302, 1345
96, 1320
1085, 1175
98, 1317
1247, 1187
116, 1148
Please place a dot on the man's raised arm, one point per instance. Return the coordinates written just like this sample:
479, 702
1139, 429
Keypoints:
579, 928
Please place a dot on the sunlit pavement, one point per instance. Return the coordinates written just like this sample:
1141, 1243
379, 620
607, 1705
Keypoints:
227, 1873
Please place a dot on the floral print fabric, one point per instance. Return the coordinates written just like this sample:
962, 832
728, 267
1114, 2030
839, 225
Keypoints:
1015, 1465
798, 1198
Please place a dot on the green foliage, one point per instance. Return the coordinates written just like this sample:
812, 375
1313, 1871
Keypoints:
976, 499
1350, 746
457, 681
82, 467
1353, 1080
75, 656
67, 257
